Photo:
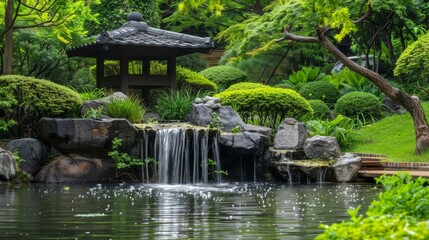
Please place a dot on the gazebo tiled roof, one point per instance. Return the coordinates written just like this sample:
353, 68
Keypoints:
136, 41
139, 36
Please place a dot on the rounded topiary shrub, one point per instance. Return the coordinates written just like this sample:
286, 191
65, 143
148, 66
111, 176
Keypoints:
245, 86
321, 90
359, 104
320, 109
224, 76
266, 106
37, 98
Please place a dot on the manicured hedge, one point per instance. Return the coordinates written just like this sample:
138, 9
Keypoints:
37, 98
320, 109
245, 86
224, 76
359, 104
266, 105
321, 90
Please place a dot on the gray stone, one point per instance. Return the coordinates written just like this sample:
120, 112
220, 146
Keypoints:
393, 107
322, 147
290, 135
304, 170
75, 168
212, 99
246, 143
32, 151
7, 165
88, 137
201, 115
347, 167
258, 129
95, 104
212, 105
198, 101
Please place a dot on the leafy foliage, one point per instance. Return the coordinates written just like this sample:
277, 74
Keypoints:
359, 104
122, 160
348, 81
304, 75
94, 113
266, 106
92, 94
175, 104
321, 90
413, 64
320, 109
193, 62
400, 212
129, 108
50, 100
224, 76
341, 128
111, 14
7, 101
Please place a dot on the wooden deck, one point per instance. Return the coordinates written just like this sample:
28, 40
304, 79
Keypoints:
374, 165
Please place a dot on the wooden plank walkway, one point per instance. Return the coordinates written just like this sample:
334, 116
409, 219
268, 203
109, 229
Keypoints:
374, 165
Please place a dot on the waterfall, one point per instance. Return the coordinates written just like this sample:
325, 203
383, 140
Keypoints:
181, 156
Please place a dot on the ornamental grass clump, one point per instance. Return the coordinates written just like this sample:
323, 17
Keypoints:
130, 108
175, 104
266, 106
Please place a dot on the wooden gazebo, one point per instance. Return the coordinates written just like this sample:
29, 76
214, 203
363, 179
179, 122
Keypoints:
136, 41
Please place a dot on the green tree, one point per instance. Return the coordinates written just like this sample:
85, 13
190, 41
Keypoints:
325, 22
111, 14
63, 18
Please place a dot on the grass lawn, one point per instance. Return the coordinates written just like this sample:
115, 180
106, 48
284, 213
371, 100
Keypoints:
393, 136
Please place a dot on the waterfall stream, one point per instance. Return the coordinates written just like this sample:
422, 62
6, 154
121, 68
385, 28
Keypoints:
181, 156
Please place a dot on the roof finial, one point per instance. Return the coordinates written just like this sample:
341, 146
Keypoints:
135, 16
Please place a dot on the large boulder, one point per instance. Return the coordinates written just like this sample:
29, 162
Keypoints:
290, 135
322, 147
32, 151
303, 171
75, 168
246, 143
347, 167
88, 137
258, 129
95, 104
7, 165
202, 115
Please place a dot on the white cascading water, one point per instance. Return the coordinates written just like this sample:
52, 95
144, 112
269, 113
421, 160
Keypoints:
174, 162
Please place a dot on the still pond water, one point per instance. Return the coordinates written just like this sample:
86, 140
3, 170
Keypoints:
136, 211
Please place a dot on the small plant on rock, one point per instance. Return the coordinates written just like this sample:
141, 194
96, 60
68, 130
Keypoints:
122, 160
130, 108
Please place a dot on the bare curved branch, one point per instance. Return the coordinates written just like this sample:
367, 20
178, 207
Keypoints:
297, 38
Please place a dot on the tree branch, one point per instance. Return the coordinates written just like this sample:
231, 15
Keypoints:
297, 38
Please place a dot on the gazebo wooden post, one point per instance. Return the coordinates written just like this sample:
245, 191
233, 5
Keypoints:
171, 71
99, 76
145, 91
123, 72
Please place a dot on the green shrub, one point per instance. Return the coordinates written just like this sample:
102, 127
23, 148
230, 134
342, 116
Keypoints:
266, 106
359, 105
37, 98
401, 212
175, 104
7, 101
321, 90
224, 76
342, 128
245, 86
349, 81
320, 109
185, 78
129, 108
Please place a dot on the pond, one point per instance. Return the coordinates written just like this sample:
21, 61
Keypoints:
149, 211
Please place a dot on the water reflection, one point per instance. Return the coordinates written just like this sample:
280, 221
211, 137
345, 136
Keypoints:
224, 211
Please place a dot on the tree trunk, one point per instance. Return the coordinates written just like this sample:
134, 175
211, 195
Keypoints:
410, 103
8, 50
